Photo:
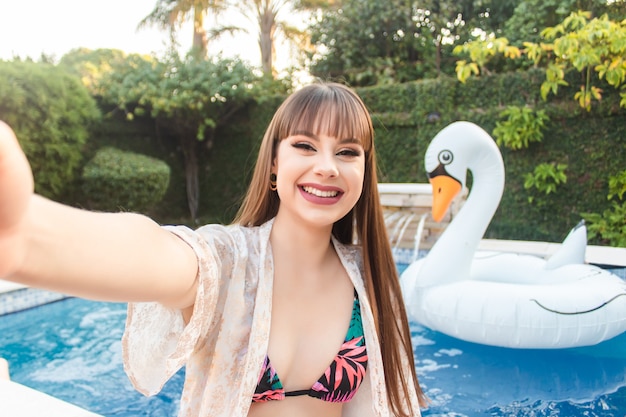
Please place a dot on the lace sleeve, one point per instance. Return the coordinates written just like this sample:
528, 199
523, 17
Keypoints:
156, 342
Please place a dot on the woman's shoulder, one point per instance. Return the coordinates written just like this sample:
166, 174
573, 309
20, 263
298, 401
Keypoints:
225, 236
217, 231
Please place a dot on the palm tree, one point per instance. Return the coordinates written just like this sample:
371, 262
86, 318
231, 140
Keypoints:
265, 14
171, 14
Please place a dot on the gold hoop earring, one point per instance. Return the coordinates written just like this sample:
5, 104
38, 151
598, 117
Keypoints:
273, 185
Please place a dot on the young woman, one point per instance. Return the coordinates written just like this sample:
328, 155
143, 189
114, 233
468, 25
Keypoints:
293, 310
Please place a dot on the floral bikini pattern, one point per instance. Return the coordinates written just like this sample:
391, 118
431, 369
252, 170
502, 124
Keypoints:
341, 379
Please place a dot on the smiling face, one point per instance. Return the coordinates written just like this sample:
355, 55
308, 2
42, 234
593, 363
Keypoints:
320, 145
322, 138
319, 177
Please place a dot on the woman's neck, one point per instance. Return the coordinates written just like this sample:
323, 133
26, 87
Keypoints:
307, 245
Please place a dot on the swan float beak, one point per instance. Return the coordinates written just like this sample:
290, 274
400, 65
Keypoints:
445, 188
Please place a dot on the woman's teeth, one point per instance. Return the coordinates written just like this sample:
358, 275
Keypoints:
320, 193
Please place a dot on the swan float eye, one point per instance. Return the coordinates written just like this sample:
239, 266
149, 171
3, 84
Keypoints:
445, 157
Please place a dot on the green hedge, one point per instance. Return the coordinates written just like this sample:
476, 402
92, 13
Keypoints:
592, 144
228, 168
115, 180
406, 118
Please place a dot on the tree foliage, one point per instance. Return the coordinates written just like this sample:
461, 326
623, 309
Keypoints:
596, 48
405, 40
52, 114
90, 65
480, 53
188, 97
530, 17
387, 47
398, 40
489, 15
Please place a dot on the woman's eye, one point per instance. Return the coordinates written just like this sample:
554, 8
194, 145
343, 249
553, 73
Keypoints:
304, 146
349, 152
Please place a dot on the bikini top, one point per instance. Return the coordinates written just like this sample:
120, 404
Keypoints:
340, 381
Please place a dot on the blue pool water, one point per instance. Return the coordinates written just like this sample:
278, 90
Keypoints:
71, 349
466, 379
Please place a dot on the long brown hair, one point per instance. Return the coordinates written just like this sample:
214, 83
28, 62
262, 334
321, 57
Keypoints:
337, 111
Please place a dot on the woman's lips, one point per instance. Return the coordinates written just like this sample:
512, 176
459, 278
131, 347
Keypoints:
320, 195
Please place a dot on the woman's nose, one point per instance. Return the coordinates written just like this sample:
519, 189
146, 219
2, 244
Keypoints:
326, 165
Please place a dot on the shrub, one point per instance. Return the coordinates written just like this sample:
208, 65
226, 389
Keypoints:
51, 113
116, 180
610, 226
545, 178
521, 127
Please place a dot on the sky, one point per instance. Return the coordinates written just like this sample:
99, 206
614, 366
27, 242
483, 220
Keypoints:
29, 28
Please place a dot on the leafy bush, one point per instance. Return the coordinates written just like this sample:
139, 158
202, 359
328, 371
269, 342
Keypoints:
91, 65
545, 178
611, 224
116, 180
617, 185
522, 126
51, 113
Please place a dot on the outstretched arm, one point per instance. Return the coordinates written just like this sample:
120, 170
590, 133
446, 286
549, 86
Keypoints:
103, 256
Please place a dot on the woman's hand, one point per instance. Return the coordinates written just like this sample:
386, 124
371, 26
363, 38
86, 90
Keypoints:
16, 190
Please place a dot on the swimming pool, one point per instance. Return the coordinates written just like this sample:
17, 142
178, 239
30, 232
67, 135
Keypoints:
71, 349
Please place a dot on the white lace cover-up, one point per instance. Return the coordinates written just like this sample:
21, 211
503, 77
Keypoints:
224, 344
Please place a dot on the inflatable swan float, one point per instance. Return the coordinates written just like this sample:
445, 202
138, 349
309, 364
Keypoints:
495, 298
